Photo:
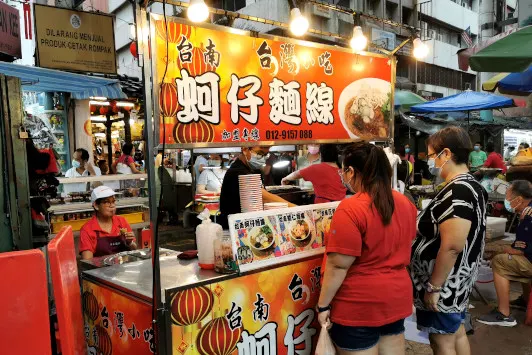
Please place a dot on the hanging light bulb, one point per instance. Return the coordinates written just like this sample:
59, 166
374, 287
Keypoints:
197, 11
298, 23
421, 50
359, 41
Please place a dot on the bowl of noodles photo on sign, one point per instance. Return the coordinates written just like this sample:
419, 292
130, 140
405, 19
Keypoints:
365, 107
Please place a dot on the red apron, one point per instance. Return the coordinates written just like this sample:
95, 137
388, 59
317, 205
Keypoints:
110, 245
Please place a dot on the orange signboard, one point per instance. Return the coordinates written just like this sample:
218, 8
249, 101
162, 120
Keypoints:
219, 85
267, 312
115, 324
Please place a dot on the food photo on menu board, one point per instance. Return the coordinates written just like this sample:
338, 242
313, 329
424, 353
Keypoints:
268, 237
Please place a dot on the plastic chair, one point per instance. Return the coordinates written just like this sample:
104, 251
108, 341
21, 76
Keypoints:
65, 281
25, 321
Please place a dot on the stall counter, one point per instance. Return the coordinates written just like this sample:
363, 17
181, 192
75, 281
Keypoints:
241, 313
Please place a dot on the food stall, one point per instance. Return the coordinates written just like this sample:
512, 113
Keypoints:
222, 87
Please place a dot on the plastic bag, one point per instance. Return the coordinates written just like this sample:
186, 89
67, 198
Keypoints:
325, 345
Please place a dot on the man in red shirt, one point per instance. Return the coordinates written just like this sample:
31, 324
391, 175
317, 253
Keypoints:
495, 160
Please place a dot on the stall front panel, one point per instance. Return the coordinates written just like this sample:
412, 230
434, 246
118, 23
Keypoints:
270, 311
116, 323
220, 85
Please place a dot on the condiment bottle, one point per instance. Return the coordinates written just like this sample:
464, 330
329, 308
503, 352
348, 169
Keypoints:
206, 233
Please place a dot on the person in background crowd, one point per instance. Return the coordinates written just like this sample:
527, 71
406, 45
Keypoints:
323, 176
199, 164
421, 169
515, 264
524, 150
210, 180
477, 157
104, 167
509, 153
312, 157
366, 292
405, 170
126, 163
105, 233
81, 167
494, 159
250, 160
449, 244
409, 155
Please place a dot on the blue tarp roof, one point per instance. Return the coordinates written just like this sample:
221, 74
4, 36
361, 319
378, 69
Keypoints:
465, 101
81, 86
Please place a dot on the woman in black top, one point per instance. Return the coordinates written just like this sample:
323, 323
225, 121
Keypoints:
449, 244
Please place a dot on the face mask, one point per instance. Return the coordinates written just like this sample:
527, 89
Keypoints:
313, 149
347, 185
76, 164
214, 163
433, 169
256, 162
477, 148
407, 150
508, 206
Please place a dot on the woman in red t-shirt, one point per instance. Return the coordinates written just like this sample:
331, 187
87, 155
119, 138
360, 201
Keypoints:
323, 176
367, 292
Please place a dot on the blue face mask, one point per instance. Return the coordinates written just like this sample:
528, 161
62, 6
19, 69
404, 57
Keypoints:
477, 148
508, 205
407, 150
76, 164
433, 169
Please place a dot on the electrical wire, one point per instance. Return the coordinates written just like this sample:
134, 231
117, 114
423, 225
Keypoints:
156, 229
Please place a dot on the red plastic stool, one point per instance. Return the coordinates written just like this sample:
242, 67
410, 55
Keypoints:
528, 319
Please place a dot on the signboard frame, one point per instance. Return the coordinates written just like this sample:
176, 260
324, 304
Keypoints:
37, 39
13, 13
155, 87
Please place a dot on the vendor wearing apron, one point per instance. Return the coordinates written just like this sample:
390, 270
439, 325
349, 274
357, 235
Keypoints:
106, 233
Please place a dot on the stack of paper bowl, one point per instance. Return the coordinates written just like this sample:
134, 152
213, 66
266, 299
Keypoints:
250, 193
275, 205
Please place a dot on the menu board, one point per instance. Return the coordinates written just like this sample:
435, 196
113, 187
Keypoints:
268, 237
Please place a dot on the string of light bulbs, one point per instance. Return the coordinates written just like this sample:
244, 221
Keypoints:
198, 11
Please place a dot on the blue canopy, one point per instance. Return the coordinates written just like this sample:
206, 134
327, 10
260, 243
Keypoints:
81, 86
465, 101
517, 82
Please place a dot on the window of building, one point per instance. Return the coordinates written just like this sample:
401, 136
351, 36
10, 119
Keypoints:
392, 11
407, 19
235, 5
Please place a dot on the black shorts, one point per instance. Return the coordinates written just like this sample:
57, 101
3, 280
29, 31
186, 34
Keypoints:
362, 338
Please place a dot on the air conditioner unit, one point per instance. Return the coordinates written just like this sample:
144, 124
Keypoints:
320, 11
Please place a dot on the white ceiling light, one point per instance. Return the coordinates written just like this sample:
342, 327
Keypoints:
421, 50
197, 11
99, 103
359, 42
125, 104
101, 98
298, 23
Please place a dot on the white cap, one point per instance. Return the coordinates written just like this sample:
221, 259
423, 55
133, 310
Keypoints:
101, 192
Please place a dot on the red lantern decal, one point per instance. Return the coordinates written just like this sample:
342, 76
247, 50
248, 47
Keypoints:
198, 66
217, 338
103, 110
175, 31
90, 305
168, 100
191, 306
104, 341
194, 132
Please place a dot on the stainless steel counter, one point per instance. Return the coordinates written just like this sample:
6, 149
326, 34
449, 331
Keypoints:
136, 278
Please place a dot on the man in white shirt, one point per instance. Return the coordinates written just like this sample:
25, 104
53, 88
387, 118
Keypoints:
81, 167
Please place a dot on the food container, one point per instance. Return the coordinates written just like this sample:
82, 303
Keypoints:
223, 254
495, 227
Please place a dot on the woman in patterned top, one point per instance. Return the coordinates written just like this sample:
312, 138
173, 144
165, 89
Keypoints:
449, 244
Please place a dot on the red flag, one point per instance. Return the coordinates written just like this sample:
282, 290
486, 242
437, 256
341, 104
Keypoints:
27, 20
